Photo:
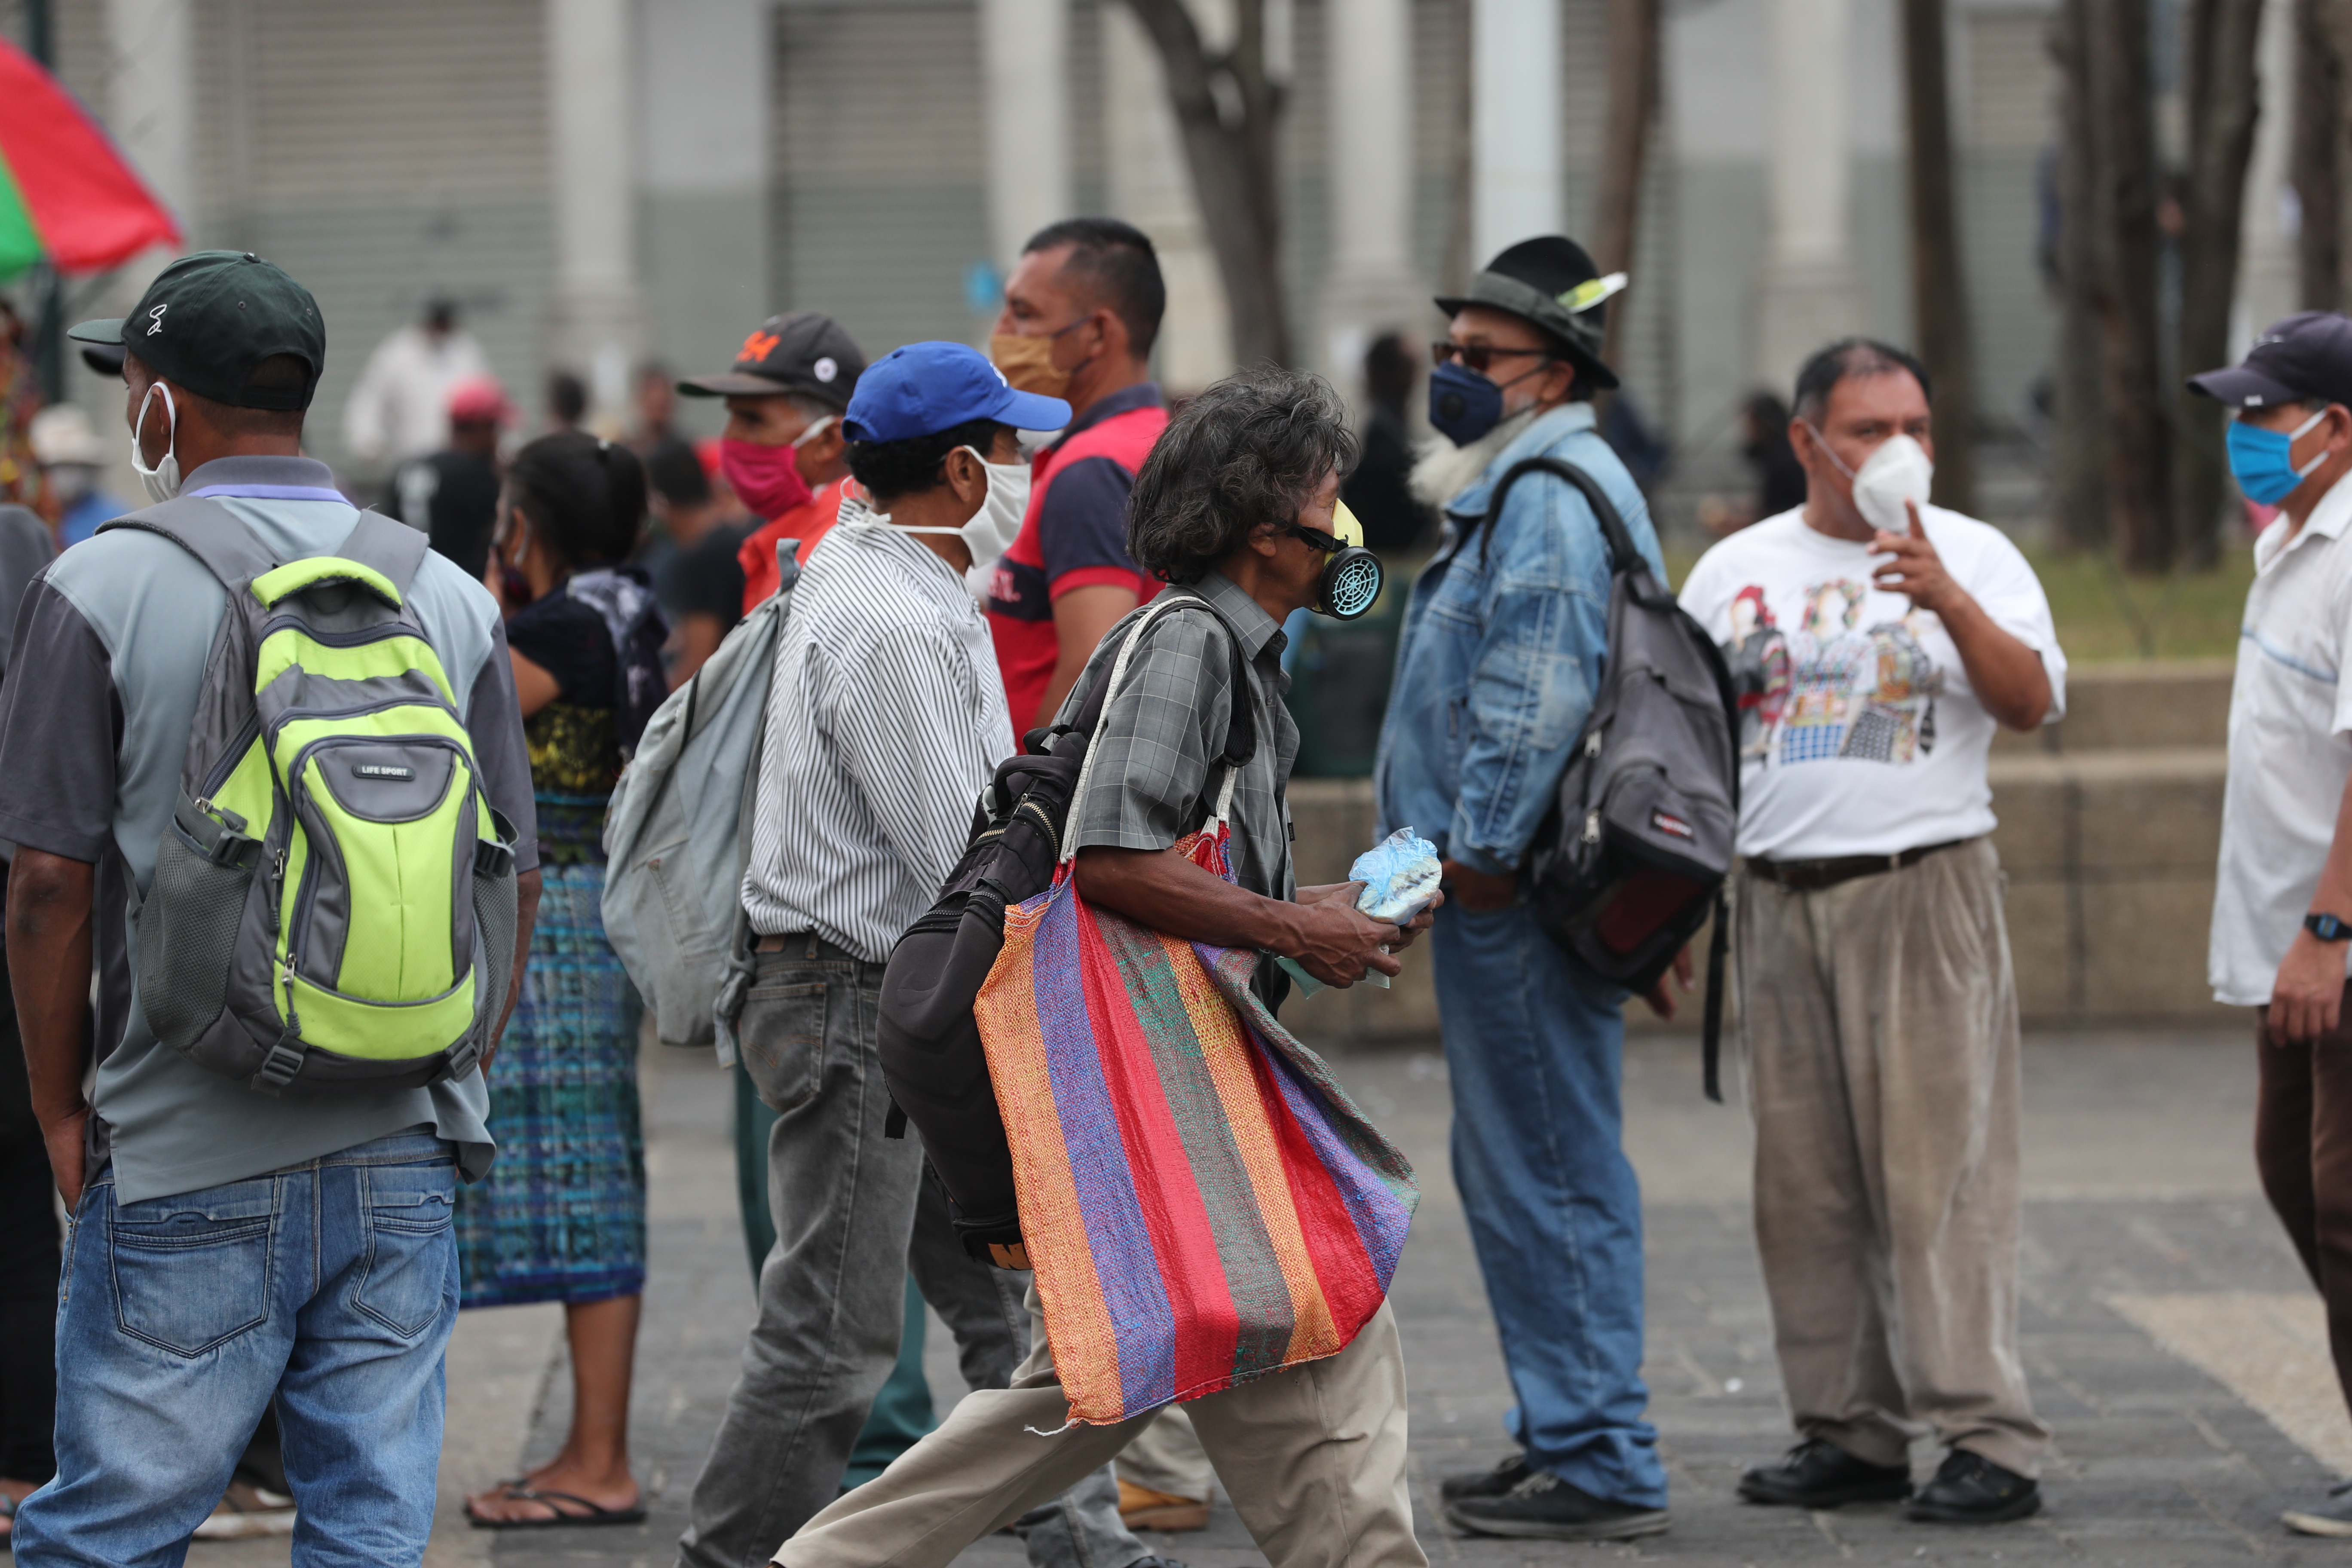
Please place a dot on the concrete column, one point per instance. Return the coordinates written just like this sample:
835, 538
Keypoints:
596, 326
2268, 283
703, 72
1515, 123
1808, 294
1372, 287
1151, 187
152, 106
1024, 60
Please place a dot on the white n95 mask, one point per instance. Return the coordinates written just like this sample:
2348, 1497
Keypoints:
1899, 471
161, 482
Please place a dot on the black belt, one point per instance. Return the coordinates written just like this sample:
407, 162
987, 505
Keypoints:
1812, 876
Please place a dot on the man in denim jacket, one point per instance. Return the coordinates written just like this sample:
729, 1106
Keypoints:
1503, 644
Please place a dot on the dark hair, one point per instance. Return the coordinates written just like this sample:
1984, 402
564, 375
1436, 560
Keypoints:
1249, 451
276, 374
567, 396
1851, 357
676, 474
1388, 368
441, 315
889, 469
586, 497
1119, 269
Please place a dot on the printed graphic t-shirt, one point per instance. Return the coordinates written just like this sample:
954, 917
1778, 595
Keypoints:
1858, 733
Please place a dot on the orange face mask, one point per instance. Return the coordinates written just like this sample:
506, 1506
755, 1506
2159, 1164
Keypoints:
1028, 364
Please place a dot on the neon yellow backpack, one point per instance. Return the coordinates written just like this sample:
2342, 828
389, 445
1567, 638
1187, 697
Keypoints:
333, 903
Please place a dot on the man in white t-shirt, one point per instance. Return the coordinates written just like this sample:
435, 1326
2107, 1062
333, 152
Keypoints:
2282, 900
1877, 641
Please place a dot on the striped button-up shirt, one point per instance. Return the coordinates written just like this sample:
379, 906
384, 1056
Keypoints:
886, 720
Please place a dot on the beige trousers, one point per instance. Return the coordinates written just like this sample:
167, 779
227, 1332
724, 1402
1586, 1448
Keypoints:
1313, 1457
1166, 1457
1880, 1020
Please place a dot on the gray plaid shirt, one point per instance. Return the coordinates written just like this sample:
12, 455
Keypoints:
1156, 774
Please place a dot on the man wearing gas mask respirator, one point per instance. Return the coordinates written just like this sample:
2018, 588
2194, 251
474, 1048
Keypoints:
1497, 669
1876, 642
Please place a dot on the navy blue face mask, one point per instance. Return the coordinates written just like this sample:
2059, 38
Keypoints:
1463, 404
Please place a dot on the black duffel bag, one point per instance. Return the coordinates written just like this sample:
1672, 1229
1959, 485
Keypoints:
928, 1042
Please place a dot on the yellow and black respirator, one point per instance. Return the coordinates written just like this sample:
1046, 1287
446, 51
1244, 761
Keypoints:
1351, 581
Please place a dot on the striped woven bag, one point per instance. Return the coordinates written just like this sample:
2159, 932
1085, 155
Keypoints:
1202, 1201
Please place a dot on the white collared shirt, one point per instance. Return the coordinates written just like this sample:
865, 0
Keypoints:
2290, 747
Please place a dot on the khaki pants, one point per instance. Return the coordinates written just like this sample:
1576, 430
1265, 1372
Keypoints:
1167, 1457
1313, 1457
1880, 1019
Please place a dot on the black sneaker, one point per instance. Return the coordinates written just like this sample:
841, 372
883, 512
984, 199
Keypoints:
1817, 1473
1970, 1488
1485, 1483
1544, 1506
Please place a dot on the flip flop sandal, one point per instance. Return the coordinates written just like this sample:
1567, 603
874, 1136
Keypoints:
594, 1515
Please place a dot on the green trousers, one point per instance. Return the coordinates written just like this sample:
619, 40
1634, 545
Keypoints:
902, 1412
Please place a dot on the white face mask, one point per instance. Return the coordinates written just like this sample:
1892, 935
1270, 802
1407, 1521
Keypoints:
989, 532
1899, 471
162, 480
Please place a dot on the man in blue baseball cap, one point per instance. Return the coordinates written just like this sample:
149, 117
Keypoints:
886, 720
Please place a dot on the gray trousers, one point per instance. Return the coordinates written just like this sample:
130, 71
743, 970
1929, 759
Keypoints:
1880, 1017
852, 1217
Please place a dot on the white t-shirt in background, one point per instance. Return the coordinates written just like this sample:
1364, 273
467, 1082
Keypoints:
1859, 734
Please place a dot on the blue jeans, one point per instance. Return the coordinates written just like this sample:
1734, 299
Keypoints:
1534, 1045
331, 1285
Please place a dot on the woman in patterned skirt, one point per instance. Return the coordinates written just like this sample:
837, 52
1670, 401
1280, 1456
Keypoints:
562, 1215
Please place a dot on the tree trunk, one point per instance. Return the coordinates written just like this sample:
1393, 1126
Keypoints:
1230, 148
2077, 480
1939, 300
1625, 148
2124, 247
2224, 99
2314, 158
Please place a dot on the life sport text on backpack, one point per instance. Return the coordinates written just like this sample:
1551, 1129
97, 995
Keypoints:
333, 903
927, 1040
1638, 845
678, 834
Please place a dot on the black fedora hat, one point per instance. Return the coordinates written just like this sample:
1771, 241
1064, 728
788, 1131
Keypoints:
1550, 281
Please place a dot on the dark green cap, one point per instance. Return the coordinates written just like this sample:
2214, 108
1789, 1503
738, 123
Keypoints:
209, 319
1552, 282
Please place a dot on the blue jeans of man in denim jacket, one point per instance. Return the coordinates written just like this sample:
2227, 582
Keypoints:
1496, 669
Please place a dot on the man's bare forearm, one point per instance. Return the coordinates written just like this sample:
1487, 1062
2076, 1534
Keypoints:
1170, 892
49, 926
526, 889
2008, 679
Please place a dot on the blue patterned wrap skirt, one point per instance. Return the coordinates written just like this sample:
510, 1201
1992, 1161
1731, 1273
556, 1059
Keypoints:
562, 1215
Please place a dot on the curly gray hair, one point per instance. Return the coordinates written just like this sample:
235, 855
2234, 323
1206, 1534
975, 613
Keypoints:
1249, 451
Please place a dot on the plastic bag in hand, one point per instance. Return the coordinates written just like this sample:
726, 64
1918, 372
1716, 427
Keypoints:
1399, 875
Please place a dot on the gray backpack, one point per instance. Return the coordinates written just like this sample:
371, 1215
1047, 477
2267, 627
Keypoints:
333, 902
1636, 849
679, 834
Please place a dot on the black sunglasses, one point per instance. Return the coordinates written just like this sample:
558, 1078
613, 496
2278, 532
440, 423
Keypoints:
1478, 356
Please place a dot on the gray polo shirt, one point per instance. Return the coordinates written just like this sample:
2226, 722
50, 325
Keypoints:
1155, 755
94, 714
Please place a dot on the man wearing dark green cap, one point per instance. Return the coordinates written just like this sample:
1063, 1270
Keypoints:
1503, 641
231, 1249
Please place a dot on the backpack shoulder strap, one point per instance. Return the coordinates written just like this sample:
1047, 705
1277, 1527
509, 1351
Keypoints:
207, 530
1622, 555
1241, 731
393, 548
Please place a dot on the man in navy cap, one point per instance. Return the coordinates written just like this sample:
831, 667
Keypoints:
1503, 640
2283, 899
886, 720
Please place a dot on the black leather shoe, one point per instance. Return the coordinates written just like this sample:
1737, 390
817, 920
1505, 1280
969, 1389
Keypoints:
1485, 1483
1817, 1473
1543, 1507
1970, 1488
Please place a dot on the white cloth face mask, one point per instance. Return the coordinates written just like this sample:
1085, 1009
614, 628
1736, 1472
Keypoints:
989, 532
1899, 471
161, 482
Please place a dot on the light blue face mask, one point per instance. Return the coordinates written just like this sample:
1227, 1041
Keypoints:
2263, 461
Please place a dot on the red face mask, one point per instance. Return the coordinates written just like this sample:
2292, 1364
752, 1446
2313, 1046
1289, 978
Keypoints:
768, 478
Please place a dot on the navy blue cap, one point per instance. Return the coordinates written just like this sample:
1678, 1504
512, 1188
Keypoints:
923, 389
2306, 356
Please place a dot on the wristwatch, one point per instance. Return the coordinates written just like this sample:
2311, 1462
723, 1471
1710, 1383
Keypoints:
2328, 928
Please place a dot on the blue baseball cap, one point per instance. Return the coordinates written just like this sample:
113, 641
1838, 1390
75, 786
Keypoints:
923, 389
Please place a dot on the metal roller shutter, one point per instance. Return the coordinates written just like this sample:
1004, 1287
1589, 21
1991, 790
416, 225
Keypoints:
880, 203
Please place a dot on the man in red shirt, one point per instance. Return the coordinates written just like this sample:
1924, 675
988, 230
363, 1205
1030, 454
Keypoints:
1080, 313
783, 451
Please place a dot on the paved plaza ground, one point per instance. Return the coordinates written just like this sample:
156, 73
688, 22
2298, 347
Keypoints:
2169, 1332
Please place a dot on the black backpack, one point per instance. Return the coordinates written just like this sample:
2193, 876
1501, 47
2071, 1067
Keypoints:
1638, 845
929, 1043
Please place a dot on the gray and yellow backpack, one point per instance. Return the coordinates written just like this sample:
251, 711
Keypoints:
333, 903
